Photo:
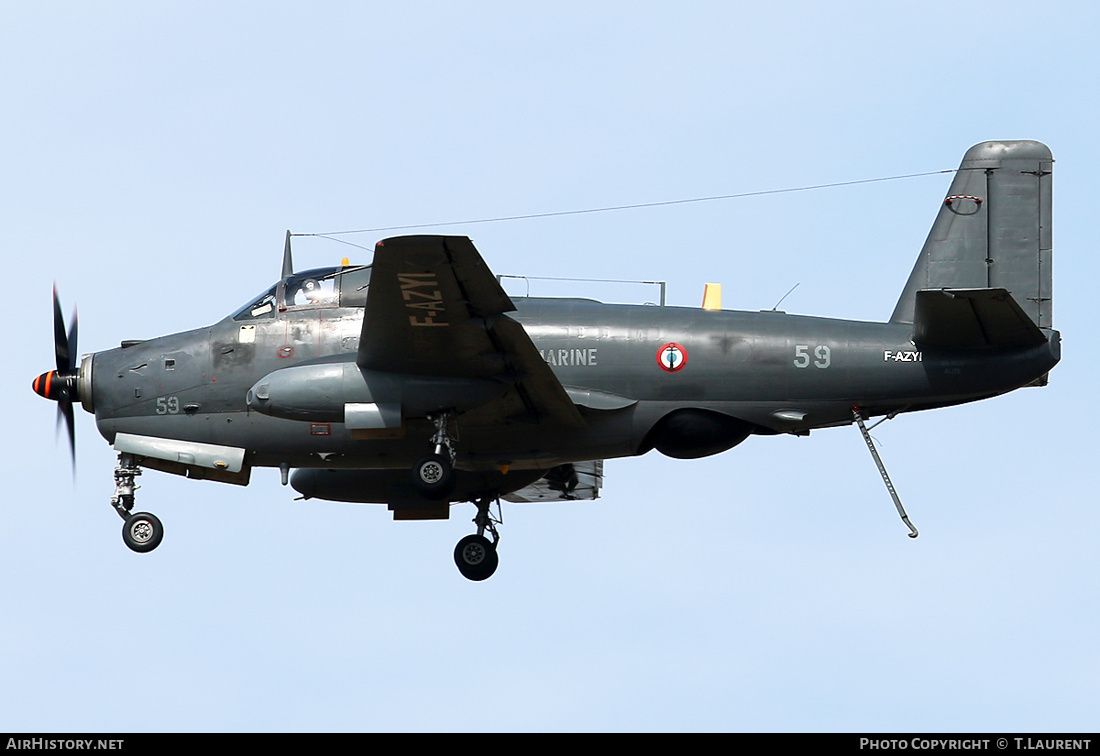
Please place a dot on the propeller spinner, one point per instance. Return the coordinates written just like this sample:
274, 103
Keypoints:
63, 384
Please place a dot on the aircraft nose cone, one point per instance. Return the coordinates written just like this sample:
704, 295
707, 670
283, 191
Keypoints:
46, 385
53, 385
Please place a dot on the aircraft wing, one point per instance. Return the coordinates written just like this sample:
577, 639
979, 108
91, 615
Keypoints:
569, 482
434, 308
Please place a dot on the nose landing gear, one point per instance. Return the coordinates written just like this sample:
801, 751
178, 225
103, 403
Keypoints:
142, 531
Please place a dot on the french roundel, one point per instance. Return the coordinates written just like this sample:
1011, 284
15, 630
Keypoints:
672, 357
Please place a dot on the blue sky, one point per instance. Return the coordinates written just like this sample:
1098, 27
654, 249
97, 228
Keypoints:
154, 155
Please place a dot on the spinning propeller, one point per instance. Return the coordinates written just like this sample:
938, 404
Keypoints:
62, 384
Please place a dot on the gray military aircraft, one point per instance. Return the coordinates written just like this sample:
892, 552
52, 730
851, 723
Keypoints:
417, 382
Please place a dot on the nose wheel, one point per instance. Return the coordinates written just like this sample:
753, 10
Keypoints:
142, 532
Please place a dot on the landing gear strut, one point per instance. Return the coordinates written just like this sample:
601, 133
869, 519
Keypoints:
476, 555
142, 531
434, 474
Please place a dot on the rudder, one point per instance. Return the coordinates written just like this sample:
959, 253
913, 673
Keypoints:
992, 231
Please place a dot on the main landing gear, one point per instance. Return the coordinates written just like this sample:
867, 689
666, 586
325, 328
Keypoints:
142, 531
433, 475
476, 555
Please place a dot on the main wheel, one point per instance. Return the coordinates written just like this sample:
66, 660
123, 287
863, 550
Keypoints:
434, 477
476, 557
142, 532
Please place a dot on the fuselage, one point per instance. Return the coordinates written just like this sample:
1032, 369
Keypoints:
626, 367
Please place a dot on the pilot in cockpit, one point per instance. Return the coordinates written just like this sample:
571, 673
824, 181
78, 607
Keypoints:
311, 290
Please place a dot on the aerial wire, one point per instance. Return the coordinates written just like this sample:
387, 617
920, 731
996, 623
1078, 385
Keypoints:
616, 208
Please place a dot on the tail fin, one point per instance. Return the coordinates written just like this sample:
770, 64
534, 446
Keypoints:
992, 231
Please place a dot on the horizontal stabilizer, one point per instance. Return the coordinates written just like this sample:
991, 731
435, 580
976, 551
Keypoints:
972, 319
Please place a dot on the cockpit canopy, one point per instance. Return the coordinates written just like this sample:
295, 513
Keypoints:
343, 286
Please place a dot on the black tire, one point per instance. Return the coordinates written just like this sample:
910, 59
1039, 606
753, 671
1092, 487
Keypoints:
476, 557
434, 477
142, 532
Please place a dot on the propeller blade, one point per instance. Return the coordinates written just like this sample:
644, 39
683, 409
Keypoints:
61, 385
74, 355
65, 408
60, 339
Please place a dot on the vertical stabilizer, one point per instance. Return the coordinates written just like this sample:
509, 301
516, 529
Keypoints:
992, 231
